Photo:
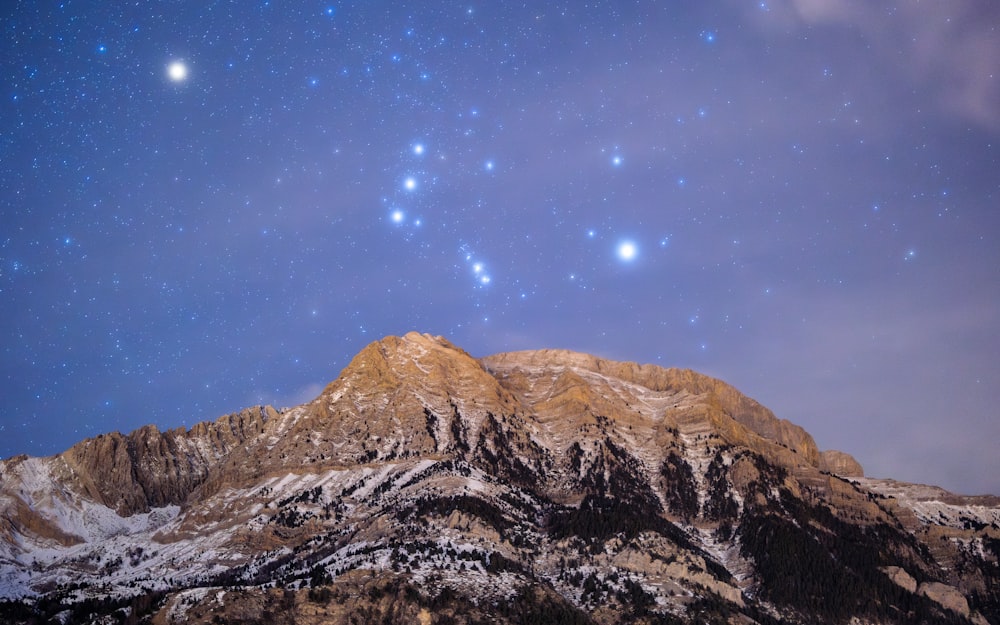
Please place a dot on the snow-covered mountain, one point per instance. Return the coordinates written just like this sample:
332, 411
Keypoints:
424, 485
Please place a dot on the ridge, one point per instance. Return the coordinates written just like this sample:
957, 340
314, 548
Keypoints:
425, 484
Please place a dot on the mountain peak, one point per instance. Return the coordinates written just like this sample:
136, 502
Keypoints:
424, 484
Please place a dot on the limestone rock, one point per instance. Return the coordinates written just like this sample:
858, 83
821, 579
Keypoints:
734, 404
946, 595
901, 578
840, 463
147, 468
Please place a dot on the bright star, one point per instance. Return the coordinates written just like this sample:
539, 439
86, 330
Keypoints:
418, 149
617, 161
177, 71
627, 251
410, 183
397, 216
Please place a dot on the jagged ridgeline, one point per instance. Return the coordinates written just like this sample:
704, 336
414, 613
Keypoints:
427, 486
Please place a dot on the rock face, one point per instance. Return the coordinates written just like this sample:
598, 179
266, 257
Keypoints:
840, 463
426, 485
900, 577
947, 596
151, 469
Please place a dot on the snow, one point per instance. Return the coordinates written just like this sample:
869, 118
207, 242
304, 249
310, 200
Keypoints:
927, 504
696, 453
74, 515
121, 551
287, 421
418, 468
346, 386
421, 351
184, 600
219, 533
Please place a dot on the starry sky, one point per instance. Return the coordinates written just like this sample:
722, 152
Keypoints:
209, 205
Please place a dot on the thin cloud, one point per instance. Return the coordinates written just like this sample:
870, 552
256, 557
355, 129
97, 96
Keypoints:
950, 49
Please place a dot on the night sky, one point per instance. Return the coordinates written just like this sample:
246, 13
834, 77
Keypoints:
209, 205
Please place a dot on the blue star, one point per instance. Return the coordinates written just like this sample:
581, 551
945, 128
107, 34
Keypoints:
627, 251
479, 271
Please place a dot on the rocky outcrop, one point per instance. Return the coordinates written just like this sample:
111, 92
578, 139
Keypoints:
901, 578
946, 595
734, 404
148, 468
840, 463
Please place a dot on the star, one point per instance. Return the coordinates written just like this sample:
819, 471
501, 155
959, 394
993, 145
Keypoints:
347, 135
177, 71
627, 251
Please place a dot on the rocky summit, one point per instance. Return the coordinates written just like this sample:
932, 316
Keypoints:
427, 486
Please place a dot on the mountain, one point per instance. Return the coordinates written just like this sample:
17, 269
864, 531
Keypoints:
427, 486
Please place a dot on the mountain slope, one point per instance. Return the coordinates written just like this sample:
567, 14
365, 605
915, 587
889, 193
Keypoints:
425, 485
